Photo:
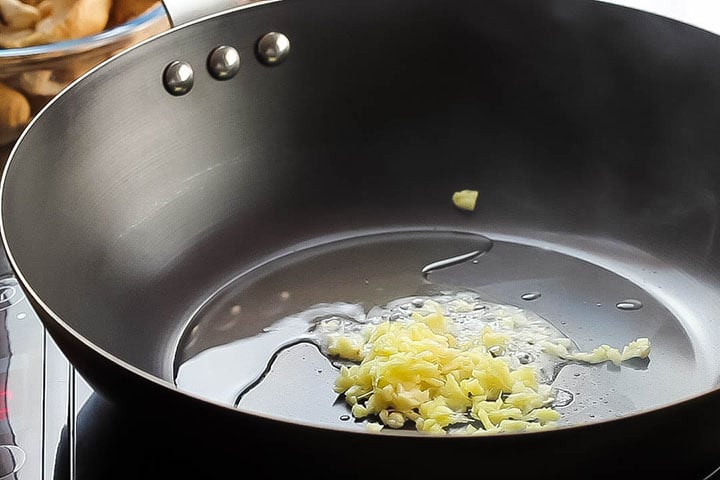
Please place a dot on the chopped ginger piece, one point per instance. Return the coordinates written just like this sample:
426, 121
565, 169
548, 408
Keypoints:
345, 347
639, 348
465, 199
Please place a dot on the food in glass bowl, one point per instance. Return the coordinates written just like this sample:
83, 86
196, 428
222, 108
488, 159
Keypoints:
46, 44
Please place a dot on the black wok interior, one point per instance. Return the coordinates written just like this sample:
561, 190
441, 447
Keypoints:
124, 208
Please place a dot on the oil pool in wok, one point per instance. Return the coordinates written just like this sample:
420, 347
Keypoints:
268, 372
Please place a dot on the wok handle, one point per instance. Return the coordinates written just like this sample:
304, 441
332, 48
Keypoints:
184, 11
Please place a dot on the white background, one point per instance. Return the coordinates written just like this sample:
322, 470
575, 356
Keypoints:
700, 13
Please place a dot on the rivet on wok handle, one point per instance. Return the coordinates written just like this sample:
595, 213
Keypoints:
223, 62
178, 78
273, 48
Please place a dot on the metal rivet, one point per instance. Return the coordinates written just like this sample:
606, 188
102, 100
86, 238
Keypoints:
223, 62
178, 78
273, 48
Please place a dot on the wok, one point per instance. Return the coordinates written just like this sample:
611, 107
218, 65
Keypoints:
157, 211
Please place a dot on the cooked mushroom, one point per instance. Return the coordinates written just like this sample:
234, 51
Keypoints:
60, 20
17, 15
14, 112
26, 23
124, 10
40, 82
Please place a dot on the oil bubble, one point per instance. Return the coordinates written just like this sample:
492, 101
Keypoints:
629, 304
563, 398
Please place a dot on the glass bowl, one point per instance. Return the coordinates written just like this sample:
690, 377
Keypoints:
31, 76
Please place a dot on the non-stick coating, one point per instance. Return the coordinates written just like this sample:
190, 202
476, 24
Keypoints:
589, 129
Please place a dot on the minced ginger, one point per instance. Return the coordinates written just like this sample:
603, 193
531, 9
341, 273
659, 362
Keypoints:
418, 372
465, 199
